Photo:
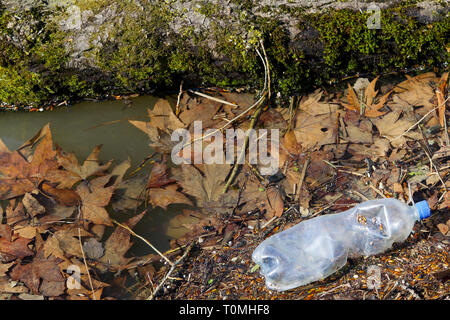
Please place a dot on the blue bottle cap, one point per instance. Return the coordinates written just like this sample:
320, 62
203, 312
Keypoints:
424, 209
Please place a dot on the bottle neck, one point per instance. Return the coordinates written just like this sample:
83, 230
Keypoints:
416, 214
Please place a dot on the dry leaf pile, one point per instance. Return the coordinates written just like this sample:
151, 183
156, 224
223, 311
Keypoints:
336, 150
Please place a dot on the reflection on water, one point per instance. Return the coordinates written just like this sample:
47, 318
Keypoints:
80, 128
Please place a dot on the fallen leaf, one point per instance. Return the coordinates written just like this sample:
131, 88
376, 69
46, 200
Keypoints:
40, 268
159, 139
443, 228
18, 247
367, 103
315, 131
312, 105
205, 188
52, 288
159, 175
74, 172
18, 174
32, 206
392, 126
129, 194
4, 267
275, 199
5, 232
65, 197
28, 232
15, 213
93, 248
64, 243
94, 198
162, 197
9, 287
118, 244
199, 109
163, 118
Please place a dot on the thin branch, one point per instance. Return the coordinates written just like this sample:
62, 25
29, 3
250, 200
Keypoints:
180, 94
213, 98
86, 266
84, 258
420, 120
143, 239
239, 160
300, 183
268, 69
188, 249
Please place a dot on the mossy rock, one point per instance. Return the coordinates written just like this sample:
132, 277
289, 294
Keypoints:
73, 49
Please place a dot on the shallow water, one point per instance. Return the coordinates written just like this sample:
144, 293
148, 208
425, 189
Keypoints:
81, 127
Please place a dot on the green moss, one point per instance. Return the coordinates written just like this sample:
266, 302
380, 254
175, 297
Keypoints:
349, 46
36, 72
142, 54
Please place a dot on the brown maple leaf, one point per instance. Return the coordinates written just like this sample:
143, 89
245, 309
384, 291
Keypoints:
19, 174
160, 140
162, 197
163, 118
74, 172
96, 194
40, 268
161, 190
206, 186
118, 244
366, 104
64, 243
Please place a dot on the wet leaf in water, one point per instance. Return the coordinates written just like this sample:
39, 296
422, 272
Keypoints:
93, 248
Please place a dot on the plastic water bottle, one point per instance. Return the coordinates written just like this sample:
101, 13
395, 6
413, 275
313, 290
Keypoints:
318, 247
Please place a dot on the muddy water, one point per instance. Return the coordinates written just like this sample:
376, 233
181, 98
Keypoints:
81, 127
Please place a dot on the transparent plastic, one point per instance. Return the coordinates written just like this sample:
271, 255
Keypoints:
318, 247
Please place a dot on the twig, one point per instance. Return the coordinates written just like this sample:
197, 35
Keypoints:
86, 266
352, 172
188, 249
425, 149
143, 239
213, 98
376, 190
300, 183
255, 117
84, 257
143, 262
268, 69
420, 120
345, 285
291, 113
325, 208
359, 194
441, 113
424, 146
259, 105
268, 222
177, 107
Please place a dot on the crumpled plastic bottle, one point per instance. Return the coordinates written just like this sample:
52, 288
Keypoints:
318, 247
